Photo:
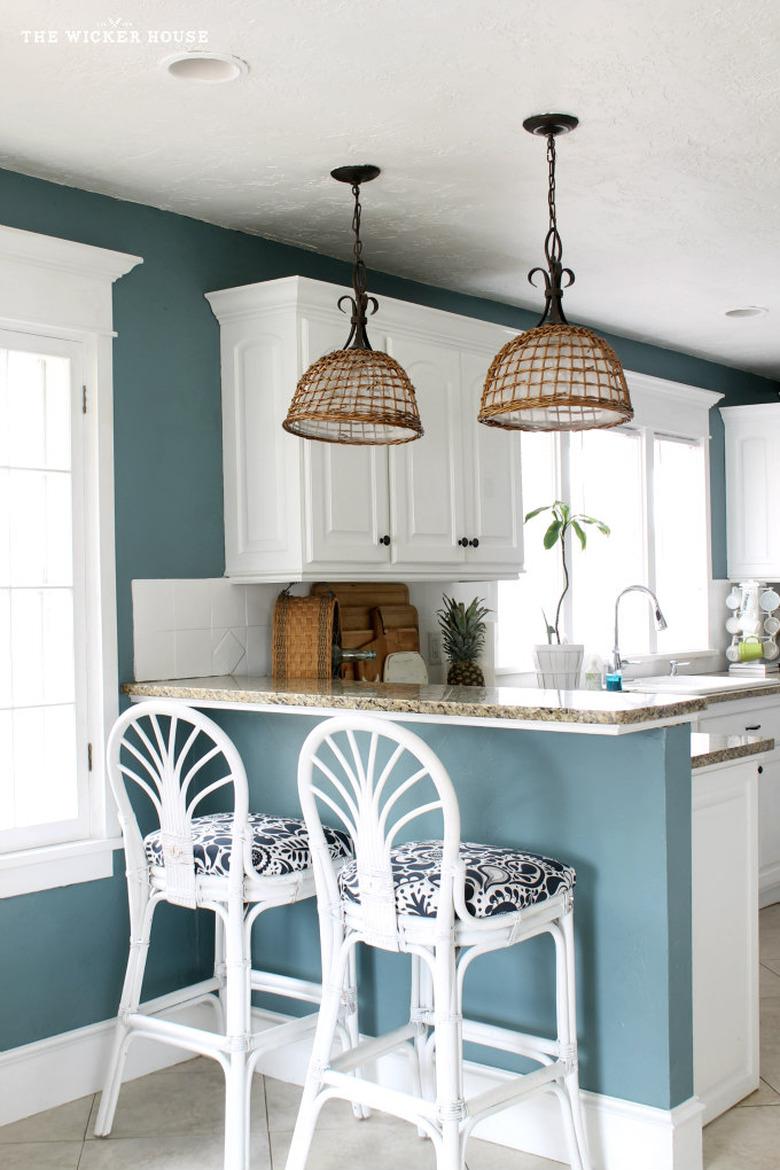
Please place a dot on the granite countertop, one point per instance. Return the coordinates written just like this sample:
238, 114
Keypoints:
717, 749
749, 691
516, 704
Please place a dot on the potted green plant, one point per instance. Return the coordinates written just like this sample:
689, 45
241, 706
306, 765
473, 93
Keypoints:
558, 663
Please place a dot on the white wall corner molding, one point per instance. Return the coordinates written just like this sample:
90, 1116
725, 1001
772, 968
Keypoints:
622, 1134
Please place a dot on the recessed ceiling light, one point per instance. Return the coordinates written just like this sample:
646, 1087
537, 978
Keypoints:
748, 311
208, 68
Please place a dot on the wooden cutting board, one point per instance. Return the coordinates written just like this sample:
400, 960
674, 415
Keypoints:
374, 616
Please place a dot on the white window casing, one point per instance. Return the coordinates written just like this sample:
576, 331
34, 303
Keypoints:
56, 298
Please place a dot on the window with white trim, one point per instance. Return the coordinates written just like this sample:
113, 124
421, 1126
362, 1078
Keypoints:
58, 651
44, 783
649, 483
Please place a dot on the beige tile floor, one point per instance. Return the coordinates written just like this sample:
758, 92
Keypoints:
172, 1120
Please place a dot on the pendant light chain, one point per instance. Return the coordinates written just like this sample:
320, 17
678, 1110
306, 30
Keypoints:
359, 281
553, 247
361, 303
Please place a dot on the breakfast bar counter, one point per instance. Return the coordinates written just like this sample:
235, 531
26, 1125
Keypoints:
600, 712
603, 782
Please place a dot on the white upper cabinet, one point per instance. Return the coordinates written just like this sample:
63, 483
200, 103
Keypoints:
427, 475
752, 490
445, 506
346, 488
494, 507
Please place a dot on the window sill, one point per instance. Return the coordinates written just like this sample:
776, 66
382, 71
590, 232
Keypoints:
29, 870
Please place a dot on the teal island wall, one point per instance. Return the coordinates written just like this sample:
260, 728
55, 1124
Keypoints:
63, 951
617, 808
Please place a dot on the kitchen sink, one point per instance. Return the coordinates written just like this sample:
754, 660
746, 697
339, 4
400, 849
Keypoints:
696, 684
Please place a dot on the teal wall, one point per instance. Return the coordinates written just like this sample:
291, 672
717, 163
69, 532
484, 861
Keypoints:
62, 951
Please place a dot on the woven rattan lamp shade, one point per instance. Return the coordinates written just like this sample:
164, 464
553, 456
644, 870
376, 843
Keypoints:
554, 378
355, 396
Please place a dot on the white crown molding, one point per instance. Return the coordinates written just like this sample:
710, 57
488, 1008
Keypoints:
55, 286
767, 410
65, 255
319, 298
680, 391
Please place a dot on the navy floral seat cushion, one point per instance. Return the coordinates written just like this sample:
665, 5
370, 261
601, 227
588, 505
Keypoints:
280, 845
498, 881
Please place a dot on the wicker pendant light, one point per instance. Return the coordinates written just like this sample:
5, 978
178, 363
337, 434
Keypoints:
355, 395
557, 376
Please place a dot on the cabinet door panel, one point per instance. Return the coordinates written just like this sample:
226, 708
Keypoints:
725, 950
346, 487
494, 505
427, 475
753, 486
261, 484
769, 822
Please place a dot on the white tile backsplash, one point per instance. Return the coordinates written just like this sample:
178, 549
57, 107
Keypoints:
192, 604
155, 655
226, 652
228, 607
189, 629
153, 605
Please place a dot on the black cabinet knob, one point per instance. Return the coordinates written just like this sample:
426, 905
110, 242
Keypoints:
761, 769
474, 543
385, 540
463, 542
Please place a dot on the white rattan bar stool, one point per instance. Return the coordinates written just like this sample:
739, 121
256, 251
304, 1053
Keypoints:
235, 864
444, 903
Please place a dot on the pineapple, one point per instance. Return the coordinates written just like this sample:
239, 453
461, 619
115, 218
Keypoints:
463, 636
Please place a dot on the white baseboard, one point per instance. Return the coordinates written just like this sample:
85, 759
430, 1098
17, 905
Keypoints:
623, 1135
63, 1068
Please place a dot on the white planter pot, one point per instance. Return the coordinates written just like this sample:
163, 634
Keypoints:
558, 667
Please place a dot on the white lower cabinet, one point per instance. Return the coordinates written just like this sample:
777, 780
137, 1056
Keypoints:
445, 506
725, 933
754, 717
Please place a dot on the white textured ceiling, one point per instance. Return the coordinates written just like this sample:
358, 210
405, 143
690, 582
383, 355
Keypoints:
668, 191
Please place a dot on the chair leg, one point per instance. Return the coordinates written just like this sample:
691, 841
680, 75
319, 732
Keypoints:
421, 1005
352, 1022
450, 1107
237, 1004
219, 972
332, 986
130, 999
566, 1008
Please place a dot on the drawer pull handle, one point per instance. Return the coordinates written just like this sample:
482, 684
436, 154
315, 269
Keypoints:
753, 727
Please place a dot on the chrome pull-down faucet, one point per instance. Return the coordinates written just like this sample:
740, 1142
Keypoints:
660, 620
